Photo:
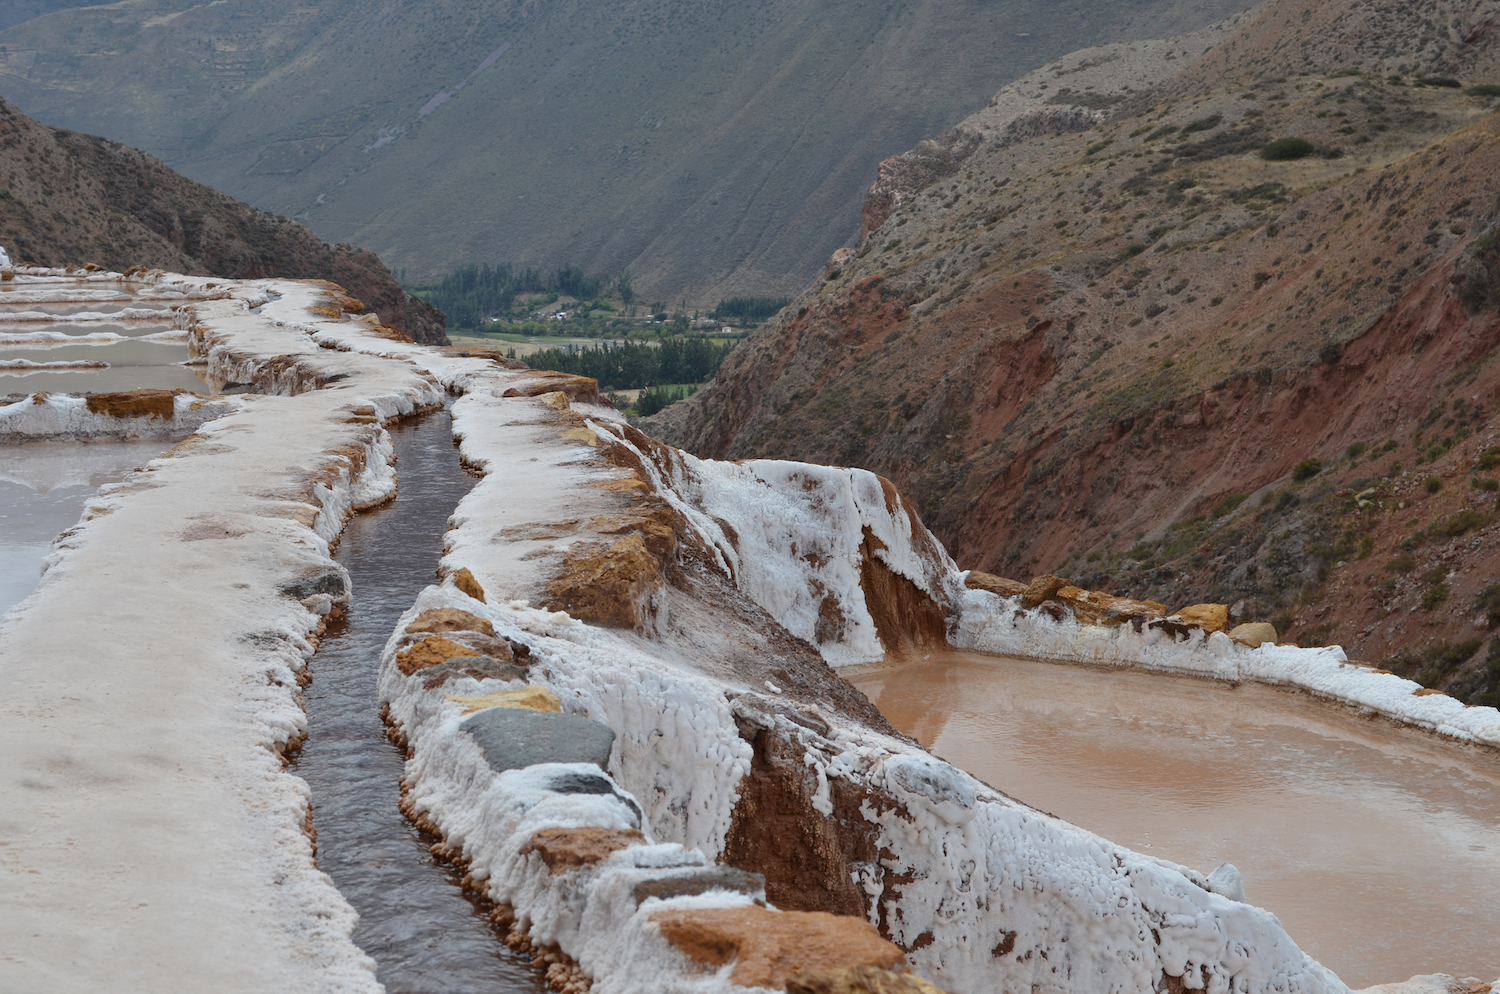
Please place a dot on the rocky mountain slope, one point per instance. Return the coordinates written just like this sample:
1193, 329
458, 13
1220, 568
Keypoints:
713, 149
70, 198
1120, 335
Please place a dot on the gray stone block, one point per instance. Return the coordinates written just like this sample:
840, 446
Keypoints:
515, 738
475, 666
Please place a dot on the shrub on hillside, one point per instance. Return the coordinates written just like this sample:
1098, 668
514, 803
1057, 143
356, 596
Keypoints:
653, 400
1435, 595
1487, 602
1286, 149
1465, 521
1432, 484
1484, 90
1307, 469
1445, 82
1203, 124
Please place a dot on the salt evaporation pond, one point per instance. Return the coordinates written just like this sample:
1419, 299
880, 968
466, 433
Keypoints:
134, 361
1377, 846
43, 491
425, 935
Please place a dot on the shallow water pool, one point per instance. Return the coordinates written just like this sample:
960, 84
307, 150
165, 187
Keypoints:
43, 490
1377, 846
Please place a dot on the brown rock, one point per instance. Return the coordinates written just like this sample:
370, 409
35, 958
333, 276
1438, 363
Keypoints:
464, 580
450, 619
1091, 607
610, 584
1254, 633
994, 584
578, 389
430, 652
1209, 617
860, 980
1042, 588
772, 947
564, 849
135, 403
906, 618
485, 645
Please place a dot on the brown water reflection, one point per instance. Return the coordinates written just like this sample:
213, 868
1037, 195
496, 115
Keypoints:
1377, 846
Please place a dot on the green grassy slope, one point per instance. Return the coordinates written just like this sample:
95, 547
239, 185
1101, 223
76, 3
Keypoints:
712, 148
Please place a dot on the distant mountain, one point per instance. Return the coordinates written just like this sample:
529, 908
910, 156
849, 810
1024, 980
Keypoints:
714, 149
1213, 318
74, 199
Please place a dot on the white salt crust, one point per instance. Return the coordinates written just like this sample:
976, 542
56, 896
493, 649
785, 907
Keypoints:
61, 416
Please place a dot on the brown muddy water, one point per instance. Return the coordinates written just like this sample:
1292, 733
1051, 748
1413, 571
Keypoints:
425, 935
1377, 846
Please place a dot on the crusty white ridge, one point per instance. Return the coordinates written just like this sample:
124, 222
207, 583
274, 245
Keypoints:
990, 623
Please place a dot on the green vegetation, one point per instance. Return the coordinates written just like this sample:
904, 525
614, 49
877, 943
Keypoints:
1463, 522
1444, 82
1487, 602
1284, 149
1203, 124
632, 365
1432, 484
1484, 90
653, 400
1432, 665
1307, 469
1227, 505
753, 310
1356, 450
1435, 595
475, 296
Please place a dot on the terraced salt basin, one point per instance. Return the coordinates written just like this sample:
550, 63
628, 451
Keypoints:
44, 488
90, 339
1377, 846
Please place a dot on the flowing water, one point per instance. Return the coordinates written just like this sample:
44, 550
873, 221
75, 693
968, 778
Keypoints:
1377, 846
425, 935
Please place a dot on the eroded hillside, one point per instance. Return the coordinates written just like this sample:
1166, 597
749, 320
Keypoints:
69, 198
713, 149
1098, 332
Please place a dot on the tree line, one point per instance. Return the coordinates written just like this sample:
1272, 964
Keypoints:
471, 295
749, 309
631, 365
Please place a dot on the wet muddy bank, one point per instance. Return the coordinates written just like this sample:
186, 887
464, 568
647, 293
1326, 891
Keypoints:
425, 934
1377, 846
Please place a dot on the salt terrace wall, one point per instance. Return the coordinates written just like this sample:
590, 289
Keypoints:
617, 704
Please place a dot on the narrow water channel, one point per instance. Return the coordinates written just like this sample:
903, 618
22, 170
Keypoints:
1377, 846
425, 935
